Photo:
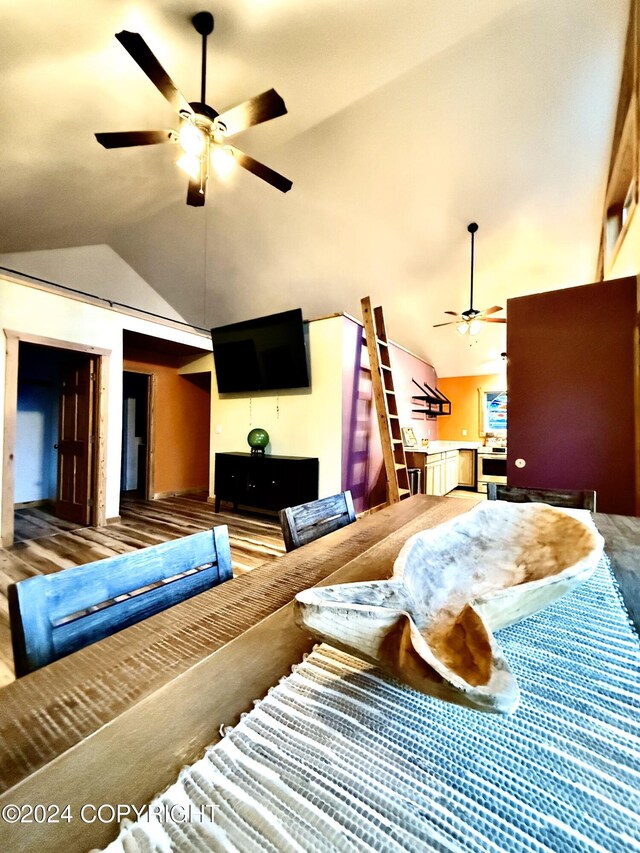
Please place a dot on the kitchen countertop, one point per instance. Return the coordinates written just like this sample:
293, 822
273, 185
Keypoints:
442, 446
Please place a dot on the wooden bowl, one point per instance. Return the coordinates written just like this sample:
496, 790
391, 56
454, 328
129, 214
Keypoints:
431, 624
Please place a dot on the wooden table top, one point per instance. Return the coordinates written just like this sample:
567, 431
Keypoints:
76, 731
163, 687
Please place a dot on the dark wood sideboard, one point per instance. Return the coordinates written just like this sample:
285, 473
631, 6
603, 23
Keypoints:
268, 483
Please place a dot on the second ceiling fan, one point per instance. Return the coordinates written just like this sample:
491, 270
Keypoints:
203, 132
468, 322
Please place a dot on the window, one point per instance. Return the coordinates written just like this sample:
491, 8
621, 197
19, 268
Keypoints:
493, 412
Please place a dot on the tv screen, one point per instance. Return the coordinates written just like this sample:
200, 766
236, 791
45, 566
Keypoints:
264, 354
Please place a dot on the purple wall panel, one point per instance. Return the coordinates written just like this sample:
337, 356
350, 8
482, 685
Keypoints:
571, 391
362, 466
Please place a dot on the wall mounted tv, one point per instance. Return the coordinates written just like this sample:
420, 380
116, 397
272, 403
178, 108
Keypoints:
264, 354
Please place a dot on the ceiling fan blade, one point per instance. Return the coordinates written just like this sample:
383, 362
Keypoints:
453, 313
263, 107
491, 310
450, 323
492, 319
261, 171
134, 137
195, 198
141, 53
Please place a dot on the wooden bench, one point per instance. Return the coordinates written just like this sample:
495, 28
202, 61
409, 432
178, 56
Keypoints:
57, 614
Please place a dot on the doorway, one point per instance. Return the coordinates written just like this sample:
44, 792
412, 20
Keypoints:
54, 442
137, 435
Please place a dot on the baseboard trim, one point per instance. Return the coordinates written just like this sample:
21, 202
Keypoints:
176, 493
33, 504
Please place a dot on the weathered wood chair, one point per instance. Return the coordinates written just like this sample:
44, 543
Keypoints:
570, 498
54, 615
306, 522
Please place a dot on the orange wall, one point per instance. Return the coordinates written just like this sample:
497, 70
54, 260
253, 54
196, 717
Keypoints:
463, 393
182, 422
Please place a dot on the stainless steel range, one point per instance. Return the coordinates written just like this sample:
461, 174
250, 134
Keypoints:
492, 466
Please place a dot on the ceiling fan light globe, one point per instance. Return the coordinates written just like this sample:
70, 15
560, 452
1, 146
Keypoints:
190, 164
463, 328
223, 161
191, 139
474, 327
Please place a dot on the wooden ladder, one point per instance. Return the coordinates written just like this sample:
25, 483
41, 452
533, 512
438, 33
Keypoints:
384, 394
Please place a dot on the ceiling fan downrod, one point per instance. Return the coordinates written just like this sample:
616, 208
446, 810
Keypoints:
472, 228
203, 23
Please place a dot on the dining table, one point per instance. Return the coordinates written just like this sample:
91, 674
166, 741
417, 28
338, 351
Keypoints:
93, 737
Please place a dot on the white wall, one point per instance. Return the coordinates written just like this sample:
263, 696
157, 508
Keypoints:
300, 422
97, 270
26, 309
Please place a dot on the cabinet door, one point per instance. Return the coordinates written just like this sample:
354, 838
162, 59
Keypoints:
438, 478
268, 484
466, 468
429, 484
230, 479
452, 473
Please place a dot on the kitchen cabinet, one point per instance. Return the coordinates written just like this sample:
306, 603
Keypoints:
445, 469
265, 482
441, 472
467, 468
450, 470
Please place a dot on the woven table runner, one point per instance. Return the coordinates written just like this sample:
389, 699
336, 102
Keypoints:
338, 757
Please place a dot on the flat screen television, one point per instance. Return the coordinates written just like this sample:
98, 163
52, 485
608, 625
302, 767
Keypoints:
264, 354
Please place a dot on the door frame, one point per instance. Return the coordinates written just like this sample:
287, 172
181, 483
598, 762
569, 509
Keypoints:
99, 462
151, 428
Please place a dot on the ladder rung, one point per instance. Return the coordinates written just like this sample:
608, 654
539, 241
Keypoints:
400, 466
389, 391
384, 367
382, 343
404, 492
396, 441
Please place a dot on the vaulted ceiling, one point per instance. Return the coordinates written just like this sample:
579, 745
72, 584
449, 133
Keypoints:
407, 120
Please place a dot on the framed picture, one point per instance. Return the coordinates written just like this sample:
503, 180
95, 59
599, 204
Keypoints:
409, 437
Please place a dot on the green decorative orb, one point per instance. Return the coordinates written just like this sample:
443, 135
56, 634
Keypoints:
258, 438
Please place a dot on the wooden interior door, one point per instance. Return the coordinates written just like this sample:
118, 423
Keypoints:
73, 500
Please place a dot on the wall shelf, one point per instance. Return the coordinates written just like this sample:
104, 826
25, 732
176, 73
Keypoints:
435, 404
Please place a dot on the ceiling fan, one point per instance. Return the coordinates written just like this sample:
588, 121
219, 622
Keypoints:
203, 132
469, 321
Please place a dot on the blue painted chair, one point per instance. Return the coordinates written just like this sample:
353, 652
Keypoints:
54, 615
571, 498
307, 522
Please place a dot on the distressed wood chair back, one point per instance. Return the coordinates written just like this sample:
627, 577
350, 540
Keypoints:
54, 615
573, 499
306, 522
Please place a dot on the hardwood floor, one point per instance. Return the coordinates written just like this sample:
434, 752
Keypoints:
34, 522
55, 544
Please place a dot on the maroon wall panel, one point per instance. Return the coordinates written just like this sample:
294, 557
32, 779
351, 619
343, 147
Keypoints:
571, 392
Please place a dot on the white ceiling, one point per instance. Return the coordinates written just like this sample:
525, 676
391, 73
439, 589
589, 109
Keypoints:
407, 120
